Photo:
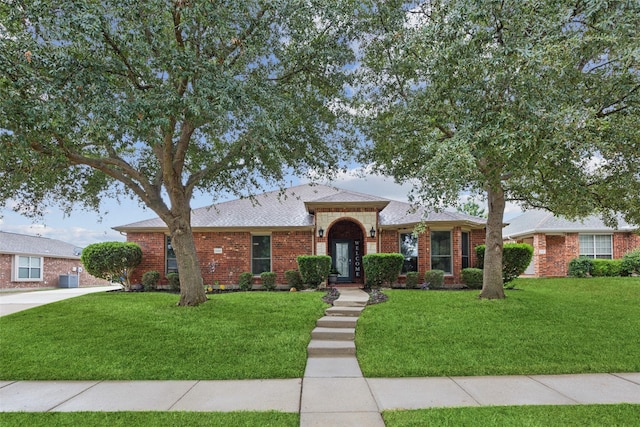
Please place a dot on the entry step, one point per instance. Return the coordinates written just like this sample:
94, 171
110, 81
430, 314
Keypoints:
333, 334
344, 311
336, 322
324, 348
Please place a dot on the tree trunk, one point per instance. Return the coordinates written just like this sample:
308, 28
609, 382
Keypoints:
191, 284
492, 283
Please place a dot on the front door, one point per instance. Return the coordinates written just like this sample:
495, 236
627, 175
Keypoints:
341, 259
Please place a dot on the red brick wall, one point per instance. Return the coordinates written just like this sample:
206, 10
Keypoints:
52, 269
560, 249
235, 257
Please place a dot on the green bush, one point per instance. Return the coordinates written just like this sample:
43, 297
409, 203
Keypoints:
434, 278
112, 260
631, 263
412, 279
606, 267
580, 267
381, 268
516, 257
174, 281
268, 280
472, 277
314, 269
150, 280
245, 281
293, 278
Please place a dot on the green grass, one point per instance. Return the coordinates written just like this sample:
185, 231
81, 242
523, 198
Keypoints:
149, 419
549, 326
144, 336
518, 416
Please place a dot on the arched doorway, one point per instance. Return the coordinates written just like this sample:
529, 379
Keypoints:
346, 245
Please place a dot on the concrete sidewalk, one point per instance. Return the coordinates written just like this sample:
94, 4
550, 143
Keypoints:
285, 394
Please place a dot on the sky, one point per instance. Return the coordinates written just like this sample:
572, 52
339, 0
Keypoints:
83, 228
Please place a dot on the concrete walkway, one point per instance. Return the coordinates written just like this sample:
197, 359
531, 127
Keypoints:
332, 391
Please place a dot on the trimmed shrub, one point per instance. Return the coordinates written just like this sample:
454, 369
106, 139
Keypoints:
314, 269
112, 260
516, 257
631, 263
472, 277
268, 280
245, 281
174, 281
434, 278
150, 280
412, 279
381, 268
293, 278
580, 267
606, 267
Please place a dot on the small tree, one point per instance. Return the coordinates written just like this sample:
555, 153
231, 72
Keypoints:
112, 260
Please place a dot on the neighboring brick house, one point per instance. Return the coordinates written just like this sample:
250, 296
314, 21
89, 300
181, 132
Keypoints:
38, 262
557, 240
270, 231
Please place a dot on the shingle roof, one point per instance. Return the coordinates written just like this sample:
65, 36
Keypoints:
291, 208
539, 221
21, 244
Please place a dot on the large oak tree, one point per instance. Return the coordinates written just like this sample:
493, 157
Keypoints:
157, 99
535, 102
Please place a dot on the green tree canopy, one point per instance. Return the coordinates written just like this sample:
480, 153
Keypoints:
158, 99
535, 102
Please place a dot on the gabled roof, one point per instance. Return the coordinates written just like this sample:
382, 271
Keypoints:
294, 208
21, 244
539, 221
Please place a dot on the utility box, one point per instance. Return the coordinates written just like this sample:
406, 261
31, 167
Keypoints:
68, 281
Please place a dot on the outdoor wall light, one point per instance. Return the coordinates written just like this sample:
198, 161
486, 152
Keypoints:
320, 232
372, 232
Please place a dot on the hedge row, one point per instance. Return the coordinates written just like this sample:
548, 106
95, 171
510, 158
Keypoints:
628, 265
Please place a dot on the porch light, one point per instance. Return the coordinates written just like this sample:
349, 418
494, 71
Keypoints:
320, 232
372, 232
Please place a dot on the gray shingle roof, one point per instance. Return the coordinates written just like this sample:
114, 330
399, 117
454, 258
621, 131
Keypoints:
291, 209
21, 244
539, 221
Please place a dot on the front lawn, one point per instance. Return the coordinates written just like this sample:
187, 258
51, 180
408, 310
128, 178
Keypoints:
549, 326
150, 419
144, 336
518, 416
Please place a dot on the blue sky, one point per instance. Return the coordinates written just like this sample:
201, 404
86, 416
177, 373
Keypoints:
82, 228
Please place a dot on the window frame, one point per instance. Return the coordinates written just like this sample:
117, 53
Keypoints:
464, 248
253, 258
449, 256
15, 271
414, 258
595, 254
168, 256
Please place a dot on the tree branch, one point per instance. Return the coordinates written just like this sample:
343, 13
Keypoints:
131, 74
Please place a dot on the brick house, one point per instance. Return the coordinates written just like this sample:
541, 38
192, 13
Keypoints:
557, 240
38, 262
270, 231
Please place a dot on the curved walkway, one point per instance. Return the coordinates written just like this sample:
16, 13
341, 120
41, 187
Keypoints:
332, 391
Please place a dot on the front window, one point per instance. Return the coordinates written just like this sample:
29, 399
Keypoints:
409, 249
28, 268
260, 254
172, 262
596, 246
465, 249
441, 251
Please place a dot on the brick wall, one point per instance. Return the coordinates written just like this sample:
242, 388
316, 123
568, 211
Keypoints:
552, 253
52, 269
